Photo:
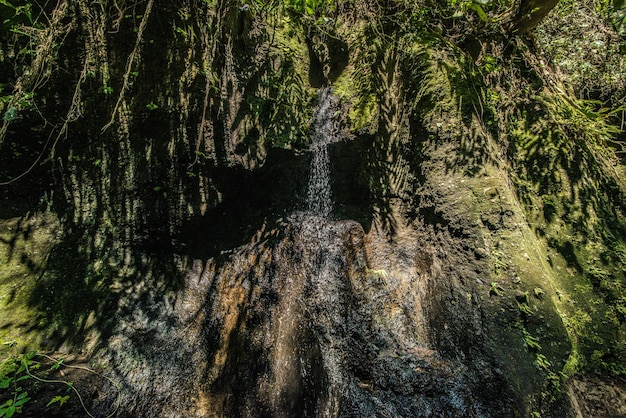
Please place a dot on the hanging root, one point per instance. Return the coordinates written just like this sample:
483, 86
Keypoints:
73, 114
34, 76
129, 64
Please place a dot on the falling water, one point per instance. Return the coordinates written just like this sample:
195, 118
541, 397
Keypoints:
319, 196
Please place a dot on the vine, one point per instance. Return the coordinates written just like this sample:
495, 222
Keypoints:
36, 74
131, 61
17, 369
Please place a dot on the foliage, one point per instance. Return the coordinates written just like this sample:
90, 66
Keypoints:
16, 38
309, 7
13, 370
461, 7
58, 399
531, 342
579, 40
495, 289
526, 310
13, 14
617, 15
19, 367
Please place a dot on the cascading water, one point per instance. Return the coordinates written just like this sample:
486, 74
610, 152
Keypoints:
325, 132
313, 318
346, 304
324, 247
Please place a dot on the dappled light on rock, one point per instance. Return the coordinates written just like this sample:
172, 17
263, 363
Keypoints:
312, 208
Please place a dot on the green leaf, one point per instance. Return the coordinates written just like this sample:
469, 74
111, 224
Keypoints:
21, 402
531, 342
58, 363
8, 412
58, 399
10, 114
480, 12
5, 383
6, 3
7, 409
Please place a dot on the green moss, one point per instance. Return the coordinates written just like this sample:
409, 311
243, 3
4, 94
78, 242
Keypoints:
25, 244
556, 238
280, 105
573, 211
364, 107
355, 86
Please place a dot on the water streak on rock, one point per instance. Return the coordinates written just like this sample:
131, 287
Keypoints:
325, 132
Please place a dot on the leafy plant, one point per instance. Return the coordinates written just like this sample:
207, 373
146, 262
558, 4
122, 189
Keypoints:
15, 13
308, 7
58, 399
18, 368
12, 406
495, 289
525, 309
531, 342
14, 370
543, 363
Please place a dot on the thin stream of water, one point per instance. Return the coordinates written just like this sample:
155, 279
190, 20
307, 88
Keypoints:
319, 195
324, 281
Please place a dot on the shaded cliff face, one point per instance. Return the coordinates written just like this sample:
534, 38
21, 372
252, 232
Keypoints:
430, 236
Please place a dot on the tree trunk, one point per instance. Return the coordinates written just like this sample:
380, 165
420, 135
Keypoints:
530, 14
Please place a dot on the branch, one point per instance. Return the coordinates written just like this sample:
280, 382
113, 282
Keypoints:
529, 14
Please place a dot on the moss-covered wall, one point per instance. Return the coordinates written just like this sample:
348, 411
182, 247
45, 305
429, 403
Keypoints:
176, 133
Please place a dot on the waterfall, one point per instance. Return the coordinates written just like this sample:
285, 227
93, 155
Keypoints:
325, 132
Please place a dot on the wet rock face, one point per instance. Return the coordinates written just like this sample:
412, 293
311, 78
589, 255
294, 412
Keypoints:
328, 57
414, 286
296, 323
373, 304
310, 314
597, 396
